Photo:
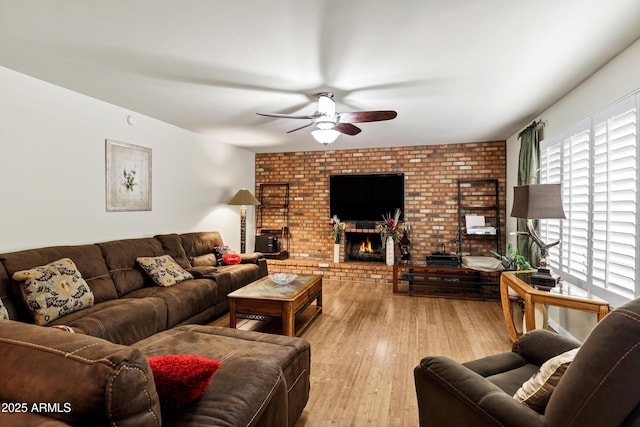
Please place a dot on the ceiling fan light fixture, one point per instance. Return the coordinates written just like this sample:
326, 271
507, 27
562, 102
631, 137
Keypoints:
331, 124
325, 124
325, 136
326, 104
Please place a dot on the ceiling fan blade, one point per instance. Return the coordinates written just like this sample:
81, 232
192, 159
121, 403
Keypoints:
367, 116
301, 127
287, 116
347, 128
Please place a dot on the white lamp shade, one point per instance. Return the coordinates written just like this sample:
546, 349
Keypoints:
325, 136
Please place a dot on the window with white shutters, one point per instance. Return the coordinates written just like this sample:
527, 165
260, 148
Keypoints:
597, 164
614, 199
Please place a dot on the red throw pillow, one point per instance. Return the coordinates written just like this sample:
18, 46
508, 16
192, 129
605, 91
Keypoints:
180, 379
231, 259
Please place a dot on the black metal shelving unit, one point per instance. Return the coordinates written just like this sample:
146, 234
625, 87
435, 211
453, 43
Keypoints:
479, 197
274, 202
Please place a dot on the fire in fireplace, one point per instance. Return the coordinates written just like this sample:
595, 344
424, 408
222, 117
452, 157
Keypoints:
363, 247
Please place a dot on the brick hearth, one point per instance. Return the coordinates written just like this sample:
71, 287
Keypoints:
344, 271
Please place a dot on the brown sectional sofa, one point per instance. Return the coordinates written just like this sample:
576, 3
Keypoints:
128, 305
263, 380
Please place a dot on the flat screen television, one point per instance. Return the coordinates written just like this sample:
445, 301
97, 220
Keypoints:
366, 197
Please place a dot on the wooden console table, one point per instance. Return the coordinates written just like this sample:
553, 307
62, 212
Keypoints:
452, 282
567, 296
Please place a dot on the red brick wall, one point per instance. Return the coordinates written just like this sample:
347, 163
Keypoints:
431, 174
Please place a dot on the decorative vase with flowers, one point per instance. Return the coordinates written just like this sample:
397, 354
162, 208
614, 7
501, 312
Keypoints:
337, 228
390, 234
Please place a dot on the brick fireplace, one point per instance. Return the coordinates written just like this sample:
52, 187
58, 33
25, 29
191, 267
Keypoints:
431, 174
363, 246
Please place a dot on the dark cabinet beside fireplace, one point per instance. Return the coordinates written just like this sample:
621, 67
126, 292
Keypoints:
448, 282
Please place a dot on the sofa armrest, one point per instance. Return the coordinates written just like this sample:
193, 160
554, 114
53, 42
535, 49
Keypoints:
540, 345
496, 363
450, 394
94, 381
250, 258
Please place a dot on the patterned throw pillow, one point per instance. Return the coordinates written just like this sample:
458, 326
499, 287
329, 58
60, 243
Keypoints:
4, 314
537, 390
54, 290
164, 270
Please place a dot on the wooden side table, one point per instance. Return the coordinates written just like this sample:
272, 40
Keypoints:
567, 296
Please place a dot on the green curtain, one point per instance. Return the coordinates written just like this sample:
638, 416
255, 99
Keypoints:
528, 173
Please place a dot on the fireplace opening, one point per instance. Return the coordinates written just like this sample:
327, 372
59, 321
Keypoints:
363, 247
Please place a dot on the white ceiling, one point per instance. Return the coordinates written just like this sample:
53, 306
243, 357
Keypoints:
454, 70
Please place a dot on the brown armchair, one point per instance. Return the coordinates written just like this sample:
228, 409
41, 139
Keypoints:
601, 387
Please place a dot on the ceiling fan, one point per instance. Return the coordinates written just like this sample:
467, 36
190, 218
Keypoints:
330, 124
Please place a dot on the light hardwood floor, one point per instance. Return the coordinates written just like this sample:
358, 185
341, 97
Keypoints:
367, 341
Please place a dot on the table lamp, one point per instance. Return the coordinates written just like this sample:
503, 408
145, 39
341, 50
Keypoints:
539, 201
243, 198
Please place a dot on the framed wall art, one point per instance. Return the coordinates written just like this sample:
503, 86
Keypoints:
128, 177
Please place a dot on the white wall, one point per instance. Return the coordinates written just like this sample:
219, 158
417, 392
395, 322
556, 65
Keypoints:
618, 78
52, 171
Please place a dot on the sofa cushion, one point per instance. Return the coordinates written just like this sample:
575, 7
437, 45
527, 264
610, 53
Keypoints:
206, 260
54, 290
202, 271
163, 270
122, 321
183, 300
180, 378
536, 391
87, 258
200, 243
511, 380
236, 276
172, 245
120, 257
103, 383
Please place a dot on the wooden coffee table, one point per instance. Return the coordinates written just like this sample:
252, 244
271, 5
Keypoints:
264, 298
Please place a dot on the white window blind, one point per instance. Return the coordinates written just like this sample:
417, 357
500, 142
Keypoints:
575, 197
614, 199
597, 164
551, 172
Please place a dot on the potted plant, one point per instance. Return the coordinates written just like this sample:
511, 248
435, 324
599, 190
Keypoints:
512, 260
390, 234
